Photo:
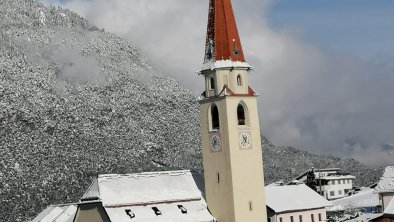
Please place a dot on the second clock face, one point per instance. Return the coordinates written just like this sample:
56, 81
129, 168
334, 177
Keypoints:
216, 144
245, 141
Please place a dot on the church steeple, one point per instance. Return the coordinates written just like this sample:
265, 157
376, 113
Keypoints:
230, 129
222, 41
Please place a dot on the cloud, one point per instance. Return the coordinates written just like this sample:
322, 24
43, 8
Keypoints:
316, 100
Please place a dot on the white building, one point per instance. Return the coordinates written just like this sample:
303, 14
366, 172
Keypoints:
331, 183
385, 187
161, 196
294, 203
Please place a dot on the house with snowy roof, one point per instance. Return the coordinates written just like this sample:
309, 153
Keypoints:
332, 183
143, 197
294, 203
385, 187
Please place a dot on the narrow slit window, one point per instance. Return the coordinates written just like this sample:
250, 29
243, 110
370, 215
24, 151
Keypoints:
239, 80
212, 83
312, 217
218, 177
241, 115
215, 117
300, 216
250, 205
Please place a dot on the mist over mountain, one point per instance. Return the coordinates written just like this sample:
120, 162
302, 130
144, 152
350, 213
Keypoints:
76, 101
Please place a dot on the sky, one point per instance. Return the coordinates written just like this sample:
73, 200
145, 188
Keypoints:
324, 69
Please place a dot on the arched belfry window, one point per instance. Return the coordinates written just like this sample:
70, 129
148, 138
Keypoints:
215, 117
211, 83
241, 115
239, 80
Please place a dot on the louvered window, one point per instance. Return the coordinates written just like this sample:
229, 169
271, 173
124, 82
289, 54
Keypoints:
241, 115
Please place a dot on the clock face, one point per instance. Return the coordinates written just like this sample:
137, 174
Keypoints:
245, 141
215, 143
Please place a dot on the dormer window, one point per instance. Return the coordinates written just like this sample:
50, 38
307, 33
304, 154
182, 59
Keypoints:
183, 209
211, 83
130, 213
157, 211
239, 80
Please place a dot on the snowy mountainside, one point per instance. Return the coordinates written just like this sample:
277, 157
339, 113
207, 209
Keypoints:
76, 102
286, 163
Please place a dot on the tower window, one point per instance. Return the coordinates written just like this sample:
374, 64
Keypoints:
215, 117
250, 205
239, 80
241, 115
218, 177
212, 83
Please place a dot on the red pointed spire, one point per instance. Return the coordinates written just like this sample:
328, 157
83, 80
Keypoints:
223, 42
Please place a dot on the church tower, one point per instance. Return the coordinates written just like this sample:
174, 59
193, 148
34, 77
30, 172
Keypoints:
232, 156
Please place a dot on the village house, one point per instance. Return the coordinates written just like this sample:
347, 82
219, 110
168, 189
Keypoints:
332, 183
294, 203
385, 187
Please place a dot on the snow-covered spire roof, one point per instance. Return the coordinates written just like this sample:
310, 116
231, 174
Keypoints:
222, 42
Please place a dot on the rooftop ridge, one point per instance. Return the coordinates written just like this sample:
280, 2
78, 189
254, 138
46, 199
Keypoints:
146, 174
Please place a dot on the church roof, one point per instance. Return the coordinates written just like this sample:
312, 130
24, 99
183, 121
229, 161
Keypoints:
175, 194
222, 41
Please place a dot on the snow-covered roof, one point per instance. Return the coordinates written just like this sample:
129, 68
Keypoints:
390, 208
293, 198
145, 188
337, 177
176, 194
64, 213
386, 183
365, 198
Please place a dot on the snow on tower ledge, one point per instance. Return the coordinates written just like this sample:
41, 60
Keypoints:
212, 65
